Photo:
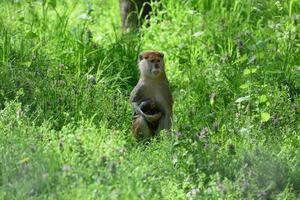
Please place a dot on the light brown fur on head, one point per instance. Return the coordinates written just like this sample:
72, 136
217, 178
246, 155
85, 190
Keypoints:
151, 54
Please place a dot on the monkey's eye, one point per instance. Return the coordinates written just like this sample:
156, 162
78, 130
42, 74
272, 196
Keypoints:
146, 57
158, 60
152, 60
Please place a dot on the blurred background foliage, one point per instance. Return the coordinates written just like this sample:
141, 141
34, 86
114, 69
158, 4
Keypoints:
66, 71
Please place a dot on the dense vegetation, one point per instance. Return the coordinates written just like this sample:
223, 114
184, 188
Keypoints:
66, 71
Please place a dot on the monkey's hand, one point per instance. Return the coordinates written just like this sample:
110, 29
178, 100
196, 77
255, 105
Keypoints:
137, 109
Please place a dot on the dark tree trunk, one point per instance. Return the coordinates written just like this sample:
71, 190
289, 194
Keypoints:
131, 15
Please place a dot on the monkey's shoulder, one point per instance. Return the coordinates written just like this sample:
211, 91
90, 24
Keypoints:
166, 92
138, 92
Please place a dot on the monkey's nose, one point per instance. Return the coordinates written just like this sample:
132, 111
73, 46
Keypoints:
156, 66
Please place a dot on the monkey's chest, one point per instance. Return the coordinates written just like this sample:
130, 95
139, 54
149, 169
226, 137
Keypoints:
158, 97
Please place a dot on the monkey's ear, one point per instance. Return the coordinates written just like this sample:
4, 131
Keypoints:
141, 56
161, 55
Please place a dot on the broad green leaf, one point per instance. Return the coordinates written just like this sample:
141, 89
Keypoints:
251, 70
197, 34
241, 99
31, 35
264, 116
24, 160
263, 99
245, 86
27, 64
84, 16
212, 101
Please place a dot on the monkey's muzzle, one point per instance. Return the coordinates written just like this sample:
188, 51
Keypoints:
156, 72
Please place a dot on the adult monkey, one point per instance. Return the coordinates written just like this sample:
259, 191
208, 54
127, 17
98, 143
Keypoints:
151, 98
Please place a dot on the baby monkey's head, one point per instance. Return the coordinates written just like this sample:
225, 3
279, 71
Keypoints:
151, 64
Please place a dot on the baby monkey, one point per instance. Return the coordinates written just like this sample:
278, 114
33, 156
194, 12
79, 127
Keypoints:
151, 98
145, 126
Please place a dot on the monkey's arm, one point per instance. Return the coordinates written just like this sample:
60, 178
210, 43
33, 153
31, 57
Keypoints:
153, 118
136, 97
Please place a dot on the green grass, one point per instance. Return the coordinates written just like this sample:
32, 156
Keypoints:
66, 71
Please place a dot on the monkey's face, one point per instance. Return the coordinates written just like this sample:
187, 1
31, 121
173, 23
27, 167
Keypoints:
151, 64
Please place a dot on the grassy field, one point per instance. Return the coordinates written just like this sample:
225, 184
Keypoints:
66, 72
